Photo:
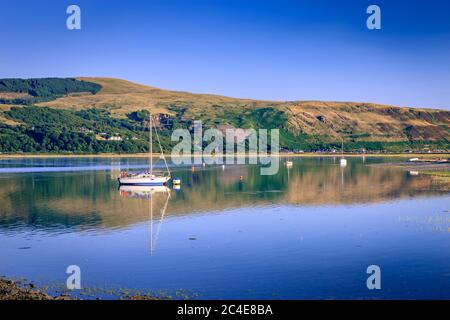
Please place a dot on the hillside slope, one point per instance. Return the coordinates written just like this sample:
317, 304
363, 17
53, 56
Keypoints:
304, 124
371, 122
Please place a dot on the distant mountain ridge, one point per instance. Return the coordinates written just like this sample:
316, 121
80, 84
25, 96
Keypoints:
304, 125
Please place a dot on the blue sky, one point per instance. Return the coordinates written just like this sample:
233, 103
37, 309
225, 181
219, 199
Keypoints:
278, 50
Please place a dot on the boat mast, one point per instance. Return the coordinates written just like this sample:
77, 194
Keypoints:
151, 144
162, 151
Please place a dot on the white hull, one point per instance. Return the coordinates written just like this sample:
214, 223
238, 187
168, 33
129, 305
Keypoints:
144, 181
143, 189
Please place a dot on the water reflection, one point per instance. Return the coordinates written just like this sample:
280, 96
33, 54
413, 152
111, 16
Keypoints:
142, 192
150, 193
308, 232
86, 199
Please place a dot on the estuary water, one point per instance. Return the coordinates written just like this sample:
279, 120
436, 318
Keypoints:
308, 232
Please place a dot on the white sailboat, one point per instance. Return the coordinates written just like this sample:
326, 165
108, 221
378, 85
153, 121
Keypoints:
148, 178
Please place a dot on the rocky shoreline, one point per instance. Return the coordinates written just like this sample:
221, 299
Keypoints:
18, 290
11, 290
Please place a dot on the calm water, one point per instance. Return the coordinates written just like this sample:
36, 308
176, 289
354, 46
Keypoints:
308, 232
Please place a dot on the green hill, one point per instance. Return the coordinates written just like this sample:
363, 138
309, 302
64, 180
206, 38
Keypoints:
90, 115
27, 91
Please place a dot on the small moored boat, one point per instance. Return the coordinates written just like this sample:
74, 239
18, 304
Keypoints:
288, 163
148, 178
142, 179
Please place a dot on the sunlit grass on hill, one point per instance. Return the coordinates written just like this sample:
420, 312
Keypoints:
303, 125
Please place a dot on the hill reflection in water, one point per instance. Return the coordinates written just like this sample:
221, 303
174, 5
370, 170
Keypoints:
55, 201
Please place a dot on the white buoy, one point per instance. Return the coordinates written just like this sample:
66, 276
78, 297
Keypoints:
343, 162
223, 167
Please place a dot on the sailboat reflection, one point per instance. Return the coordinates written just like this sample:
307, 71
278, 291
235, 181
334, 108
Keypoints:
149, 192
141, 192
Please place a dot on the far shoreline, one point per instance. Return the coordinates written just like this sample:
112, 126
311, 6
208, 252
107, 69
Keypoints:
281, 154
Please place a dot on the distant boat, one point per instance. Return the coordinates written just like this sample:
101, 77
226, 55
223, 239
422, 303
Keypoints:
289, 163
343, 161
148, 178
